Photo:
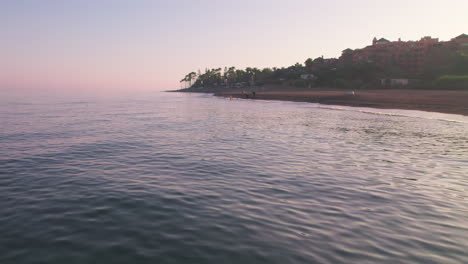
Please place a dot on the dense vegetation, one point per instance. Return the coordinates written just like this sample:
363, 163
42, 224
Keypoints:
444, 68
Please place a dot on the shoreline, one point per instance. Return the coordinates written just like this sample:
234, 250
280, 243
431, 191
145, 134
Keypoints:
441, 101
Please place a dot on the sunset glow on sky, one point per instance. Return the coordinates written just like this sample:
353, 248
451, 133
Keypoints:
112, 45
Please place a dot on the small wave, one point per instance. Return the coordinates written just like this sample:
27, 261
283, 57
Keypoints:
407, 113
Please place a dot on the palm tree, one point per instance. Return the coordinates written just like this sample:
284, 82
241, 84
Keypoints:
188, 78
184, 80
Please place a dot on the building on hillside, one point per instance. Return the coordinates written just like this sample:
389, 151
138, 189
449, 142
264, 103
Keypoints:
381, 41
330, 61
307, 76
406, 55
461, 41
394, 82
321, 63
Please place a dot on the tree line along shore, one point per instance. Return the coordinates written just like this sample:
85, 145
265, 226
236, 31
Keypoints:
424, 64
426, 75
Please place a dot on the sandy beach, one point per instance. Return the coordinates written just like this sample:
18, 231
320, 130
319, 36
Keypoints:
442, 101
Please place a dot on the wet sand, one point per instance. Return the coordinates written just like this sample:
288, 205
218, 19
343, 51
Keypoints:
451, 102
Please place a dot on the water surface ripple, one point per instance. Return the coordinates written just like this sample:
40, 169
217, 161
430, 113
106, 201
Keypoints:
177, 178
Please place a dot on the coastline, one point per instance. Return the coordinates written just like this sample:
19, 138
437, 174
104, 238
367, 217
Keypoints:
441, 101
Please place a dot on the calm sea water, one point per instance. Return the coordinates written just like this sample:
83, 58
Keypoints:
186, 178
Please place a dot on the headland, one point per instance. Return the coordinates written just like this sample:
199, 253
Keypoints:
427, 74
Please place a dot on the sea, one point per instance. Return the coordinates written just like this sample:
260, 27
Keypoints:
192, 178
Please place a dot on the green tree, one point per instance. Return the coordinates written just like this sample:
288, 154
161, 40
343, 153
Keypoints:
189, 77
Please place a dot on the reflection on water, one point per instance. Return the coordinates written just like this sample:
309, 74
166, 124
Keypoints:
178, 178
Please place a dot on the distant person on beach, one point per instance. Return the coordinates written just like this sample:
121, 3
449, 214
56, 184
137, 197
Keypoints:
253, 93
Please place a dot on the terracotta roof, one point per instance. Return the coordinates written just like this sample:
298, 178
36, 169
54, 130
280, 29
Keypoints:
462, 36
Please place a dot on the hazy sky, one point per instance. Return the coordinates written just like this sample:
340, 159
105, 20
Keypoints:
107, 45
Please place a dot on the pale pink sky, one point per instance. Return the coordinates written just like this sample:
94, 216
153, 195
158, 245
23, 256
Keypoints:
109, 45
